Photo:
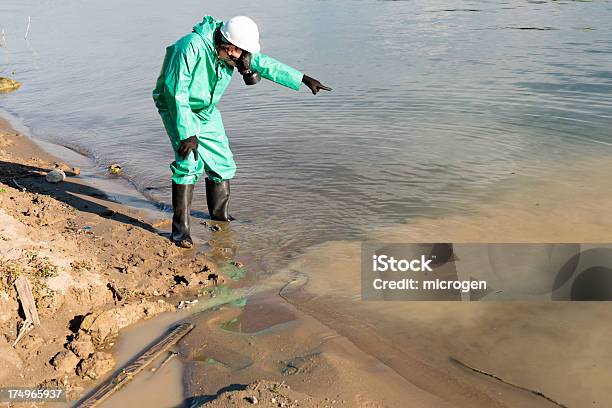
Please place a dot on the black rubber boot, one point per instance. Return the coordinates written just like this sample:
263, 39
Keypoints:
217, 198
181, 202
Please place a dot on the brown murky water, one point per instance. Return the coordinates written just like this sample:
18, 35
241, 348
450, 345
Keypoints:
559, 348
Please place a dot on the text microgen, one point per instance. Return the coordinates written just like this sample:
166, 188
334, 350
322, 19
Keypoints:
437, 284
384, 263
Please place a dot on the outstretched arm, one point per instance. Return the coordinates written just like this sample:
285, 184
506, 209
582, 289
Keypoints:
283, 74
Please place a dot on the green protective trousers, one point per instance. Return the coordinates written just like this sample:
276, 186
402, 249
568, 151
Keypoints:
191, 83
214, 154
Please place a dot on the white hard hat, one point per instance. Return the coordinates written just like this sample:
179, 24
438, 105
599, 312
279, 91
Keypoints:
242, 32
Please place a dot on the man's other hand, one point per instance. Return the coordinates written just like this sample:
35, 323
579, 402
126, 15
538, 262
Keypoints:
187, 146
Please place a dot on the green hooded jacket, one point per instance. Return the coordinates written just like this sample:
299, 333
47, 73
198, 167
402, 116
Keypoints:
193, 79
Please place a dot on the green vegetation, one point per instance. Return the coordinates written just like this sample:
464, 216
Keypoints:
30, 264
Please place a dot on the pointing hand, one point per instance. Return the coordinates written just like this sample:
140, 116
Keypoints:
314, 85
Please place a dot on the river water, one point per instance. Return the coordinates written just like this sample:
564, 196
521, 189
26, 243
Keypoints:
435, 105
433, 102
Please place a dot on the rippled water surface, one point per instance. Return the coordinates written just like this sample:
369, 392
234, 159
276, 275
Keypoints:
434, 102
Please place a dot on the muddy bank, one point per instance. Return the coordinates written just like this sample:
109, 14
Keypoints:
98, 268
95, 267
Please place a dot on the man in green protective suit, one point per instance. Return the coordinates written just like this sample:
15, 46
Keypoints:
196, 71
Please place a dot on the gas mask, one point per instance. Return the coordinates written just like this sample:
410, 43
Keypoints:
243, 64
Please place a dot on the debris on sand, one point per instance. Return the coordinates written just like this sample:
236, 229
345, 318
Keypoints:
212, 226
8, 85
186, 304
129, 371
24, 291
115, 169
55, 176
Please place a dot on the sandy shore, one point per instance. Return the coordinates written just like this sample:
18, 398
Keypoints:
95, 267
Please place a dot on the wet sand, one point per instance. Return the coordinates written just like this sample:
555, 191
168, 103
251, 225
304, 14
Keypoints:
559, 349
